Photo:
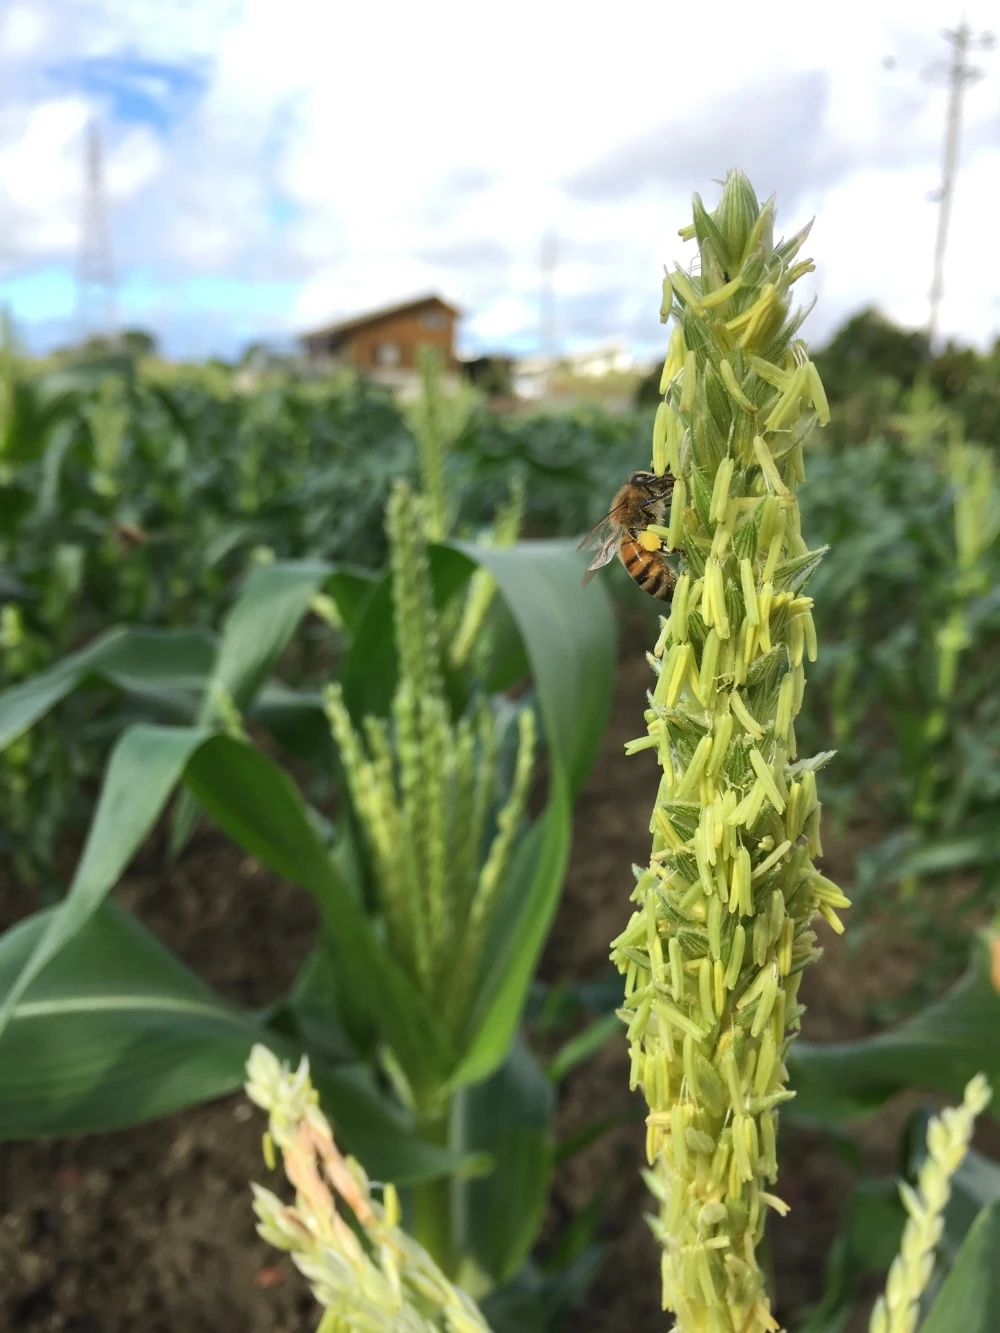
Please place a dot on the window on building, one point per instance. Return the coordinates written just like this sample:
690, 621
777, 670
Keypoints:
387, 354
433, 319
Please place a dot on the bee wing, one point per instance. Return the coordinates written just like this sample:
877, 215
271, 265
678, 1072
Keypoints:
603, 531
607, 552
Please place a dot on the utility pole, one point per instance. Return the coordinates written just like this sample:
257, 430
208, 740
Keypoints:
97, 313
960, 75
547, 307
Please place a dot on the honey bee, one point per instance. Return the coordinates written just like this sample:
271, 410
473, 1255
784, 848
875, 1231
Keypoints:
641, 501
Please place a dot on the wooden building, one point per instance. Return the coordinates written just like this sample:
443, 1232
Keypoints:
386, 342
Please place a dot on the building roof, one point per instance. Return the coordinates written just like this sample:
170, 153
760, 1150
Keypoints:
342, 329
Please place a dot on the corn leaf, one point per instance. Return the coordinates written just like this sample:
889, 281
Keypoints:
257, 630
259, 806
969, 1298
507, 1116
372, 666
569, 635
528, 901
117, 1031
569, 638
260, 624
939, 1050
145, 767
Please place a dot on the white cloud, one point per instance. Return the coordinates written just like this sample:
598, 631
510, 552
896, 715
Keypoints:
431, 146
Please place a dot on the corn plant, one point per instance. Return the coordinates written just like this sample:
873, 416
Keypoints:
435, 889
714, 952
723, 928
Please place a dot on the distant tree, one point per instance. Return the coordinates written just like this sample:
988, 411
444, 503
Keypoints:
254, 355
868, 348
953, 370
870, 363
971, 385
490, 374
138, 342
94, 348
647, 393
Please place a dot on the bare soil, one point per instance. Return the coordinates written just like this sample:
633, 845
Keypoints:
151, 1229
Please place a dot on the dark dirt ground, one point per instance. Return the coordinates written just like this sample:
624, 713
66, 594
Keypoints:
151, 1229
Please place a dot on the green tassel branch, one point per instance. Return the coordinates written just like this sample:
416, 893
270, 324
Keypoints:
423, 786
715, 950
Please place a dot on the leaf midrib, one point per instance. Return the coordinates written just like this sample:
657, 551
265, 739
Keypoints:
128, 1003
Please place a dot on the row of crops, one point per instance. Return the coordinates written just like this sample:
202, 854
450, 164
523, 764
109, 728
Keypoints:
353, 637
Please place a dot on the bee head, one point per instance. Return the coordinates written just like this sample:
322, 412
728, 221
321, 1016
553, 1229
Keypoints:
650, 482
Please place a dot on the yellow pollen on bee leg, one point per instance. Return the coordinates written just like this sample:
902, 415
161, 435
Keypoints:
649, 540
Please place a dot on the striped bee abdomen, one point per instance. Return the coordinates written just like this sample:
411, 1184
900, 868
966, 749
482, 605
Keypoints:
647, 568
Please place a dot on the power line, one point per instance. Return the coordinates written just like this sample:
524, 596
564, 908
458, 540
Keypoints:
960, 74
97, 306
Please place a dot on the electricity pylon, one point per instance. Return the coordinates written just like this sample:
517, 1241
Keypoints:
97, 305
960, 75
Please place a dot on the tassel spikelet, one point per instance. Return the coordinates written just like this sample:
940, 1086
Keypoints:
367, 1273
948, 1138
722, 929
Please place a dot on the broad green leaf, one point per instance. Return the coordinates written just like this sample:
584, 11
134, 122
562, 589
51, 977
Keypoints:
261, 622
528, 903
969, 1299
297, 721
258, 805
22, 705
975, 1184
142, 659
117, 1031
507, 662
351, 589
938, 1049
173, 667
370, 670
372, 667
169, 667
948, 854
114, 1031
569, 635
145, 766
507, 1116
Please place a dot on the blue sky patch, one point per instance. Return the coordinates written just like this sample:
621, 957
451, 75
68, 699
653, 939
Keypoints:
136, 91
281, 210
47, 293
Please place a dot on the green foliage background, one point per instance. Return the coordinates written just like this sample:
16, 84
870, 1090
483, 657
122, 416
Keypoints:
136, 493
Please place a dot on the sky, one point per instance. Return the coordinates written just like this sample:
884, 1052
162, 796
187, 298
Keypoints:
271, 167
